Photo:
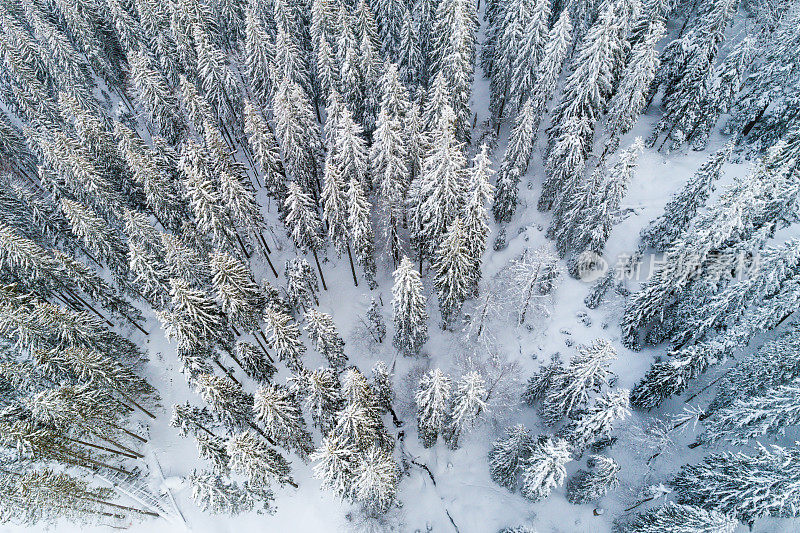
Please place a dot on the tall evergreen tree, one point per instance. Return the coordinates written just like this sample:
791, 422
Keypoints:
408, 304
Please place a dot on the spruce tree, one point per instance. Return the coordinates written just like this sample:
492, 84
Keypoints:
744, 486
325, 338
630, 99
360, 230
236, 291
515, 163
255, 362
259, 55
437, 196
408, 305
231, 405
543, 470
156, 96
454, 271
266, 152
278, 410
598, 420
682, 208
476, 223
468, 402
433, 403
675, 518
586, 486
508, 454
285, 338
254, 459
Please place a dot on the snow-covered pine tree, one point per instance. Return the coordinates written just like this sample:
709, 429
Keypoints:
285, 338
743, 486
231, 405
408, 305
682, 208
565, 163
100, 238
409, 56
768, 413
467, 403
216, 78
598, 420
546, 377
588, 228
454, 55
259, 54
433, 404
675, 518
203, 193
349, 151
375, 323
688, 76
512, 20
437, 196
590, 84
515, 162
301, 284
237, 293
476, 212
586, 486
745, 215
303, 223
321, 392
453, 268
360, 229
630, 99
156, 97
390, 158
527, 57
206, 322
775, 363
184, 261
278, 410
587, 372
543, 470
334, 205
161, 189
325, 338
389, 16
213, 494
376, 477
254, 459
256, 363
266, 152
508, 454
298, 134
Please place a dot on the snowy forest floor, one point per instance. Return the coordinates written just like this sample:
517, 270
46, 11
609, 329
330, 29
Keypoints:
463, 498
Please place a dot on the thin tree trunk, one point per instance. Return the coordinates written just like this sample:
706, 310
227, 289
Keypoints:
352, 266
120, 446
255, 336
99, 447
135, 403
696, 394
324, 286
241, 244
227, 372
125, 507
